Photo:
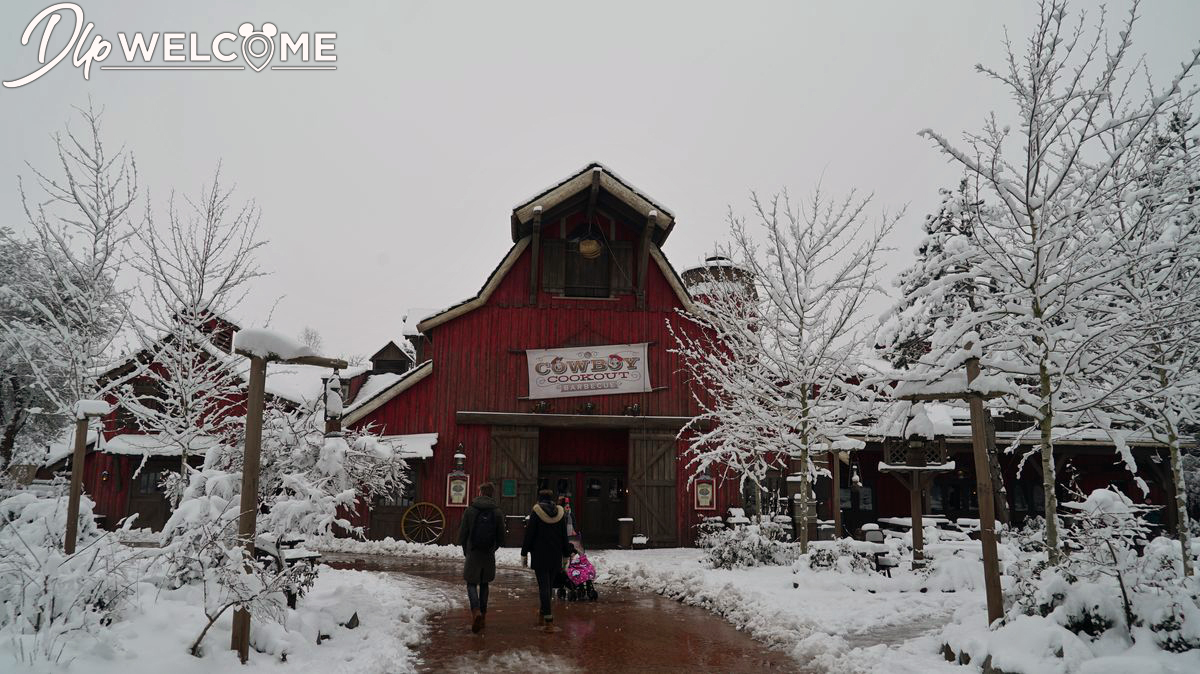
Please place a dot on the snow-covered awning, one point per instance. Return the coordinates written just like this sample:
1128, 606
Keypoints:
137, 444
413, 446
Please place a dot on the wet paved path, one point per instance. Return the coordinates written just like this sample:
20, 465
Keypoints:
624, 631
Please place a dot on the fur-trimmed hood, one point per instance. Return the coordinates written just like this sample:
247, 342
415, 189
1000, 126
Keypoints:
545, 517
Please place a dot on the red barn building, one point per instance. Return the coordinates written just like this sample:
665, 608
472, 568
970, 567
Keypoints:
577, 311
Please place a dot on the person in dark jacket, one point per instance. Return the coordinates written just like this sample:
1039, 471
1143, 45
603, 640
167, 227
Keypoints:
547, 543
480, 534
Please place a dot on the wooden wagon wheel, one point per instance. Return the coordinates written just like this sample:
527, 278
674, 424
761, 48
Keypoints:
423, 522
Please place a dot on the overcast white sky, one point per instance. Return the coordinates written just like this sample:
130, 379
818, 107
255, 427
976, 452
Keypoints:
388, 183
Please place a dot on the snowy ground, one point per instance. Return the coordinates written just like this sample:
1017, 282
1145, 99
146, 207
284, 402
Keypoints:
160, 627
832, 622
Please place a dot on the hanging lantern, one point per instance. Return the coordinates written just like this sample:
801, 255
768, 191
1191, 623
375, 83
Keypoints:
590, 248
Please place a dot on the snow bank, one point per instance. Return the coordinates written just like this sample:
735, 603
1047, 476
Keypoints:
269, 344
158, 629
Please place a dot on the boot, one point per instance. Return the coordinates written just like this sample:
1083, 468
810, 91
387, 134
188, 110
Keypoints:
541, 620
476, 620
482, 619
551, 628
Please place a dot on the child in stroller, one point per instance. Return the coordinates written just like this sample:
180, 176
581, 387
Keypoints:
580, 574
574, 583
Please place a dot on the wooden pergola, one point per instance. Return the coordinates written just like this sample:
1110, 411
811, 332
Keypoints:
916, 479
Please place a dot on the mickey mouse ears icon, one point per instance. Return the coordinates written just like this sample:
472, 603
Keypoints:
257, 46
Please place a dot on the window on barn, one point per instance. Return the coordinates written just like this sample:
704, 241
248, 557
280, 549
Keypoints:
587, 267
587, 272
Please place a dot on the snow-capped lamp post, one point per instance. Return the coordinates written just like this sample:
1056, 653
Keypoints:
333, 404
974, 392
262, 347
84, 410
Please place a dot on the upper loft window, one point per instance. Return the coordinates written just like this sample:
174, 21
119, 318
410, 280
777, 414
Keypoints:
587, 269
587, 266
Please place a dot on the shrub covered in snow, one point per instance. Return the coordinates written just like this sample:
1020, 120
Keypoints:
838, 556
748, 545
47, 596
1113, 591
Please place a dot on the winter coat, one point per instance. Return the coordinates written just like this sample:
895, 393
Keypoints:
480, 565
546, 537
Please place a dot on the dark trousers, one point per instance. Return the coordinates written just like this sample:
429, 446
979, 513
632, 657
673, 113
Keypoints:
478, 595
545, 581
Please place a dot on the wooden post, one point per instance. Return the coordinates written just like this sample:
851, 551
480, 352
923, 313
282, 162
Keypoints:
534, 259
983, 487
76, 485
248, 513
835, 471
644, 257
918, 526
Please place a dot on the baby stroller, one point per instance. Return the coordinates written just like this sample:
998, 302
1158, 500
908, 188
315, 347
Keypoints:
580, 574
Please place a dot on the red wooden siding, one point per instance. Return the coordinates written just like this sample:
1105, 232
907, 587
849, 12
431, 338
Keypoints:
479, 365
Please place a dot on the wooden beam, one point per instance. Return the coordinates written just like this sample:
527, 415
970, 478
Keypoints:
319, 361
983, 489
533, 260
644, 259
592, 195
918, 527
570, 420
77, 464
248, 507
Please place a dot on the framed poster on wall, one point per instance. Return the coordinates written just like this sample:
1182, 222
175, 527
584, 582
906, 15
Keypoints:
458, 490
706, 494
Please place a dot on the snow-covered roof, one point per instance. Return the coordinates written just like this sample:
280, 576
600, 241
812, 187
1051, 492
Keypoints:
413, 446
301, 384
138, 444
388, 386
582, 180
414, 316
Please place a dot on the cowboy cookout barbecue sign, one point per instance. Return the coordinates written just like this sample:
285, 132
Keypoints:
587, 371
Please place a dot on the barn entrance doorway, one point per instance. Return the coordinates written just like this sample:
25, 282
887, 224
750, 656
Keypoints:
589, 467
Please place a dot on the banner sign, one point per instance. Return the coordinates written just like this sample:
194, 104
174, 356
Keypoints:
588, 371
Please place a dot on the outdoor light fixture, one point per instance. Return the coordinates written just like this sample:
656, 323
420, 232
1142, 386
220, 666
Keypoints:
590, 248
460, 457
104, 476
854, 478
333, 397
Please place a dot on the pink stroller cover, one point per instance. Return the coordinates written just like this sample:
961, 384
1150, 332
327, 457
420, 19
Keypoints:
580, 570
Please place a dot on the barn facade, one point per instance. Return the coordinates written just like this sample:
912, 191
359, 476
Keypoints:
558, 374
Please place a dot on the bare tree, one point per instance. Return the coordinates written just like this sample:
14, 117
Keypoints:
72, 309
196, 268
1046, 236
778, 369
312, 339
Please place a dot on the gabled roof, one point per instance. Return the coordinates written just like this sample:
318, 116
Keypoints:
391, 351
371, 399
581, 181
481, 298
497, 275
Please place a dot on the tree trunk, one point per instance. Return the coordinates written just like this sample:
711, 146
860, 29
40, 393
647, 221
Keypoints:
1049, 479
16, 419
999, 492
805, 490
1181, 514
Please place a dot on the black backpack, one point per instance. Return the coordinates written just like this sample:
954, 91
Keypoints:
483, 533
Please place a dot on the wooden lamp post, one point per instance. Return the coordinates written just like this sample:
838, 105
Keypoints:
916, 474
247, 519
983, 482
84, 410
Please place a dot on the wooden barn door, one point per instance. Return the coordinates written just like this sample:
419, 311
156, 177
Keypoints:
515, 457
652, 486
